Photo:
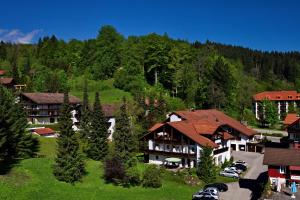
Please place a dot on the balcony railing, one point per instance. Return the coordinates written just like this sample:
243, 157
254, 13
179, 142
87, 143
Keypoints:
220, 150
169, 153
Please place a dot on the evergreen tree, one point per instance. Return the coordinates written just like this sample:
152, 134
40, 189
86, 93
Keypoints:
85, 113
69, 164
98, 134
206, 170
270, 115
15, 142
125, 139
14, 64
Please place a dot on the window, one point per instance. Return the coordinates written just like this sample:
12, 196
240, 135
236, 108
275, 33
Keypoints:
278, 97
282, 169
289, 96
156, 157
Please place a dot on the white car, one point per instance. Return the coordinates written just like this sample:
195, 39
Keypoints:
238, 171
229, 173
240, 162
208, 193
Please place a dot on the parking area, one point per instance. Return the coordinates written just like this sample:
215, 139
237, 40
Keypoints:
247, 187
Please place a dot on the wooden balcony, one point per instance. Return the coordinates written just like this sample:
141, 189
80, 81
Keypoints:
218, 151
170, 154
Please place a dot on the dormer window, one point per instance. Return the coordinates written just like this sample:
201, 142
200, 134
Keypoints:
277, 97
298, 96
289, 96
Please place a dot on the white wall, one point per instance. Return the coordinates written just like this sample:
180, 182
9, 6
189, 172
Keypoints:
174, 118
111, 129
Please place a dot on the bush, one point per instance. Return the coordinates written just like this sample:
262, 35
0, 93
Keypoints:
133, 177
114, 170
152, 177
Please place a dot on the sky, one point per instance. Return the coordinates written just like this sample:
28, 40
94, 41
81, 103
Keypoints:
258, 24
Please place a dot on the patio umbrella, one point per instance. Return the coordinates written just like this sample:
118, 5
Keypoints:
174, 160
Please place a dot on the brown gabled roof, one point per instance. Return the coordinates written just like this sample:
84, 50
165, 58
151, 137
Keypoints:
155, 126
109, 109
188, 130
50, 98
281, 156
6, 81
44, 131
277, 95
216, 117
227, 136
290, 118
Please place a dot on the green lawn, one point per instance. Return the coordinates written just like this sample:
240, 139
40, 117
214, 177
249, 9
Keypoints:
32, 179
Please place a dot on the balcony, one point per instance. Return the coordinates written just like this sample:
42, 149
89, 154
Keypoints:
169, 153
218, 151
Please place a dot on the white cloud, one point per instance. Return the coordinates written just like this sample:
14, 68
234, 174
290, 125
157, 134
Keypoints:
16, 36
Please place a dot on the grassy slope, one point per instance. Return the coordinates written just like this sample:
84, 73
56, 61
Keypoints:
33, 179
108, 93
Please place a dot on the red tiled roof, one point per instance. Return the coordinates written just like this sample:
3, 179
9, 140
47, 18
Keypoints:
44, 131
50, 98
290, 118
188, 129
277, 95
155, 126
2, 71
205, 127
216, 117
6, 81
227, 136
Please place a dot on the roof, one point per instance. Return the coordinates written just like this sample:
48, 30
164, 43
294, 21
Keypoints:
5, 81
217, 118
44, 131
50, 98
290, 118
109, 109
155, 126
277, 95
189, 130
2, 71
281, 156
227, 136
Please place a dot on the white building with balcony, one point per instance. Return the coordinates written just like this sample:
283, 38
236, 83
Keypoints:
185, 133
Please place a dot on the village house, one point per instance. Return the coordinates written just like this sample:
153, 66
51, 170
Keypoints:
109, 111
285, 101
284, 163
45, 132
185, 133
44, 108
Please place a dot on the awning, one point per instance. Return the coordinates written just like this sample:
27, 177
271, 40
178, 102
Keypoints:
294, 167
174, 160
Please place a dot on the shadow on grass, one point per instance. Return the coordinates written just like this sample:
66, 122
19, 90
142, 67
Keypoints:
255, 185
7, 165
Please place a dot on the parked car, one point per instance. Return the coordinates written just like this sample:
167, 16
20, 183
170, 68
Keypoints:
238, 171
229, 173
207, 193
240, 162
222, 187
205, 196
240, 167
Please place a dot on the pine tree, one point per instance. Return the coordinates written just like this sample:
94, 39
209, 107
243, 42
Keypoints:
206, 169
69, 164
125, 139
85, 113
15, 142
98, 134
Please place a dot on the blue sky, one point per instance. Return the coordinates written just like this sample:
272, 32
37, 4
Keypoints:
258, 24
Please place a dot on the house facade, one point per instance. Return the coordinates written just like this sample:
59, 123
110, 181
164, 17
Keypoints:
44, 108
184, 134
285, 101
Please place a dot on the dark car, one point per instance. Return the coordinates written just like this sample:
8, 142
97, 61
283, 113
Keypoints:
222, 187
240, 167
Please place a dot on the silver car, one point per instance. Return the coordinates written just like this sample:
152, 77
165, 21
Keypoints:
208, 193
229, 173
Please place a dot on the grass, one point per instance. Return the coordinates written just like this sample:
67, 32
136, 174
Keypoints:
108, 93
33, 179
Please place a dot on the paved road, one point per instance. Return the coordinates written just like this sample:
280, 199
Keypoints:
239, 190
270, 131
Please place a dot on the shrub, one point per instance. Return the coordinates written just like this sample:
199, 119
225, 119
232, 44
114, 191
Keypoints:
133, 177
114, 170
152, 177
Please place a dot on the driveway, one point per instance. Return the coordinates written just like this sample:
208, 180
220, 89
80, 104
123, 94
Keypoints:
248, 187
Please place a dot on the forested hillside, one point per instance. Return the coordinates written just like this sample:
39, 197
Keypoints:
198, 75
